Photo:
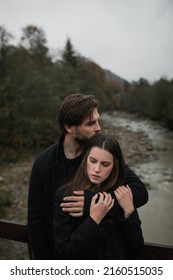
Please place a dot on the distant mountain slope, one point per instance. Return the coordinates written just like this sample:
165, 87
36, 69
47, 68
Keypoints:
111, 76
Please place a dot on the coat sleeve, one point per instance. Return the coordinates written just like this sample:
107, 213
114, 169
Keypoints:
37, 227
139, 191
74, 241
132, 232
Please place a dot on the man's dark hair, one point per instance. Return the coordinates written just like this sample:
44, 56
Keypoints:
75, 108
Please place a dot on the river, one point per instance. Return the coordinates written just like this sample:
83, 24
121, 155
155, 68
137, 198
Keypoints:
157, 173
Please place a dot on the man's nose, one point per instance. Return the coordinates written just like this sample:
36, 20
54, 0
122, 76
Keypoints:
97, 128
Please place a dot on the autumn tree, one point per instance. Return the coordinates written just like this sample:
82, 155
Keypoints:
34, 40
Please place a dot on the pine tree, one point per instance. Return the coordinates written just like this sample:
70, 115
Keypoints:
69, 56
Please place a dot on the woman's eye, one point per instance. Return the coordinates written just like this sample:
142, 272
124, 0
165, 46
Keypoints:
106, 164
92, 160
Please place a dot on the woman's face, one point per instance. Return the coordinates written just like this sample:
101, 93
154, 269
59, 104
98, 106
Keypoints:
99, 165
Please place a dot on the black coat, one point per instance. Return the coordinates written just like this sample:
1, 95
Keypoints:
82, 238
51, 170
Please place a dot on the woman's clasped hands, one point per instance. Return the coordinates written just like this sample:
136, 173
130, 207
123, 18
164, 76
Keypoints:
102, 202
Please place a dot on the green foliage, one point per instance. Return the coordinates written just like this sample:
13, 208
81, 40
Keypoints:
153, 101
32, 88
34, 40
69, 56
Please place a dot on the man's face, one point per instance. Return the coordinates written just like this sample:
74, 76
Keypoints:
89, 127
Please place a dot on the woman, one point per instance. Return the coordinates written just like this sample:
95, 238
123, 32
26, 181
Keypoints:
100, 235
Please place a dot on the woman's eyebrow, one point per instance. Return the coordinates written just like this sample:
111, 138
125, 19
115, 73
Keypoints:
105, 161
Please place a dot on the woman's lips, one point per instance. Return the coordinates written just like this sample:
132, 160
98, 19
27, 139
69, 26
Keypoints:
95, 176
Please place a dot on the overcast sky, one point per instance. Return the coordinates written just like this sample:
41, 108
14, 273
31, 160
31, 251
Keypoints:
132, 38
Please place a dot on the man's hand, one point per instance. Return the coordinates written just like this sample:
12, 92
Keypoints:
74, 204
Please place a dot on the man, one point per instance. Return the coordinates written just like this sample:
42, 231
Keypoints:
78, 120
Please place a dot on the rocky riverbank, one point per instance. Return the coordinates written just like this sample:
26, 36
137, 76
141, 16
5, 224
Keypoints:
14, 178
156, 171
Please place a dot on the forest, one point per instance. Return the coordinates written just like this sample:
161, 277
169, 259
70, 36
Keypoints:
34, 81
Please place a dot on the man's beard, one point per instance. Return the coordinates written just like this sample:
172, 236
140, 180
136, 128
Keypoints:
82, 141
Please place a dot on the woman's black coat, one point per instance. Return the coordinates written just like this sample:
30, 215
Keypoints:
82, 238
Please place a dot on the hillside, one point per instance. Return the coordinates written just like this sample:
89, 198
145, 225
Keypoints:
111, 76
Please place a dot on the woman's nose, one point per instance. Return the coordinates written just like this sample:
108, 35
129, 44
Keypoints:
97, 168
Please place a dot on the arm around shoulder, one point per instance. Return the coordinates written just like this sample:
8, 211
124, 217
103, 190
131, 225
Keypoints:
139, 190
